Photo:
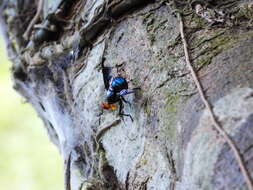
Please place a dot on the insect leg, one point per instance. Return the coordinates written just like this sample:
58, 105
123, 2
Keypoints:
121, 114
124, 100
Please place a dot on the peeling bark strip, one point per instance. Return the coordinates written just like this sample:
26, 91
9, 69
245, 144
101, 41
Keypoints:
216, 124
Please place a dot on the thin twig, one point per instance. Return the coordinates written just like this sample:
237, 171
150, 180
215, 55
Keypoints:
104, 130
68, 173
34, 20
216, 124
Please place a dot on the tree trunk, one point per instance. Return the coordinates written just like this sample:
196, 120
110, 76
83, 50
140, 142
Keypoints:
171, 143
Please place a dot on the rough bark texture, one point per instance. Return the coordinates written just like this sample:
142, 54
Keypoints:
171, 143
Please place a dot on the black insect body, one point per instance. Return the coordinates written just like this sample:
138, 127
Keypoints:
117, 88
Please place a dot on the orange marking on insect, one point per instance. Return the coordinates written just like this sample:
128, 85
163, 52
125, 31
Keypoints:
109, 106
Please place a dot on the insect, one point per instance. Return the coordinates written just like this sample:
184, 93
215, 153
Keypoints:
117, 88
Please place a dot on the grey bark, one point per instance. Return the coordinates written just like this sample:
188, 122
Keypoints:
171, 143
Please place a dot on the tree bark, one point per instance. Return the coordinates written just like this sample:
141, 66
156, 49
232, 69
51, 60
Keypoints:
56, 48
